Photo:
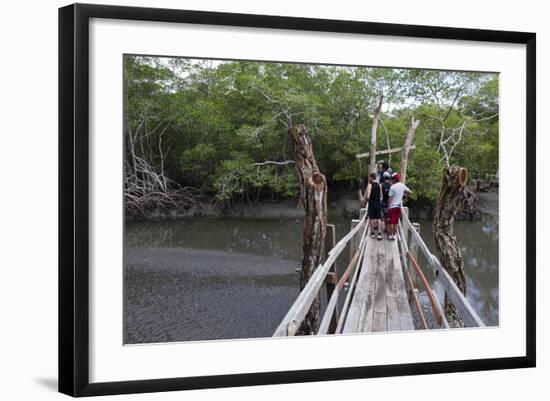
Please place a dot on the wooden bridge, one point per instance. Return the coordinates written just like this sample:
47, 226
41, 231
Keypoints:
378, 289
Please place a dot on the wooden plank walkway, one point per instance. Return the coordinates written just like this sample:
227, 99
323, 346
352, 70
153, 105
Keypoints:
377, 298
380, 300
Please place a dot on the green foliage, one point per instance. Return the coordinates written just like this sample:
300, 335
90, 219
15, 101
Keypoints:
209, 124
240, 178
198, 162
424, 172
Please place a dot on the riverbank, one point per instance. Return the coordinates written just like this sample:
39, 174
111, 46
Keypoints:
341, 204
268, 210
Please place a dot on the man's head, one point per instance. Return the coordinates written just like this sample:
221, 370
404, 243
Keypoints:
396, 177
372, 177
386, 176
382, 165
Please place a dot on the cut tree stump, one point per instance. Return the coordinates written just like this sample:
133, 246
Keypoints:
452, 190
313, 196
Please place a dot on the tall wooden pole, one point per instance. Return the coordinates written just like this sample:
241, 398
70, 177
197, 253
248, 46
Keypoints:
413, 124
314, 198
452, 189
376, 116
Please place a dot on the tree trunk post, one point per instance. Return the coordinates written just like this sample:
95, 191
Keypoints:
314, 199
413, 124
452, 189
376, 116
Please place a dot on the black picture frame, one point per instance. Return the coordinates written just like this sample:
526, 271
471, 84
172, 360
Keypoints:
74, 203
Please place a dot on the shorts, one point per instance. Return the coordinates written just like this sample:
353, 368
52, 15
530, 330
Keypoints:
384, 210
374, 211
393, 215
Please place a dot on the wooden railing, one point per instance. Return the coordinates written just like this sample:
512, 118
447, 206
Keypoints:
332, 320
442, 277
333, 301
298, 311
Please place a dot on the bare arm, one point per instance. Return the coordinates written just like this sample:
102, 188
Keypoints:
390, 197
365, 197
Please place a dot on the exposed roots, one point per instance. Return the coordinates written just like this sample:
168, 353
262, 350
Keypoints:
181, 198
148, 190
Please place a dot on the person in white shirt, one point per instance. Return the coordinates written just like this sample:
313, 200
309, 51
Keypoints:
395, 201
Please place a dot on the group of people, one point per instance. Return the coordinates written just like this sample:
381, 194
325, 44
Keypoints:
383, 197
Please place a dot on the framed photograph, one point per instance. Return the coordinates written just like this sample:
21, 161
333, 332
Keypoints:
251, 199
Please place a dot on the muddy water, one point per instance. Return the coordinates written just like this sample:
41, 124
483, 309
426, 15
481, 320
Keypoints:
211, 278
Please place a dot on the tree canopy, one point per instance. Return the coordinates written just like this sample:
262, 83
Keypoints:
221, 126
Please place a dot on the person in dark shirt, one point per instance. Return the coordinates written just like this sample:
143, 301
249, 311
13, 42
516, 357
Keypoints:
382, 167
374, 209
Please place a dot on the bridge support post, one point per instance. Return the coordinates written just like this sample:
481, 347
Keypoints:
332, 277
413, 246
405, 210
353, 243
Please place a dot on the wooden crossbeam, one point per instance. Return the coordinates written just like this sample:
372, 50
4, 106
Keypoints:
382, 152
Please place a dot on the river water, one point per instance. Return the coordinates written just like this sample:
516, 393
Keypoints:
227, 278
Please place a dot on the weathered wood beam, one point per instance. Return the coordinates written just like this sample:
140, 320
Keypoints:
383, 152
299, 309
375, 118
435, 306
332, 276
463, 307
415, 236
413, 125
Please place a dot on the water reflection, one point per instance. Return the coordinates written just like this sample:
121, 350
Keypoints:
250, 236
268, 237
479, 245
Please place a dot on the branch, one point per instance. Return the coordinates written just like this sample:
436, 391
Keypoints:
268, 162
387, 137
485, 118
458, 93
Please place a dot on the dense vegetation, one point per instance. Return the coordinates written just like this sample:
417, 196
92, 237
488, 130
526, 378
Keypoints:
221, 127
